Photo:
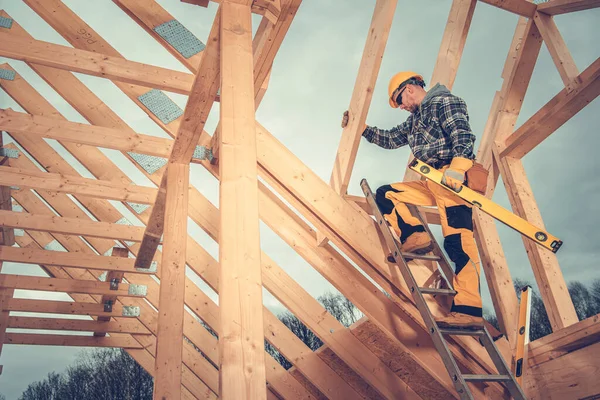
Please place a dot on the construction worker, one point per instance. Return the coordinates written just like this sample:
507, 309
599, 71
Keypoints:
438, 133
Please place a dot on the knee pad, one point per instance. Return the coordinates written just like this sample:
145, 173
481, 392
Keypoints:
385, 205
453, 246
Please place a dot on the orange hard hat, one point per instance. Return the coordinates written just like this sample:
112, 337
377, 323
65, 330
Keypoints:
397, 80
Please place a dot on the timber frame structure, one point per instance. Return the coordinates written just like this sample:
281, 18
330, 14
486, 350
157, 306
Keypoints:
108, 266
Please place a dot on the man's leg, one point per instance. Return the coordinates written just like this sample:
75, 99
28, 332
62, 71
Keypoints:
456, 218
391, 201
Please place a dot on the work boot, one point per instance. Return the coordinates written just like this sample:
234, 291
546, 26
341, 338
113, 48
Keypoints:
460, 320
418, 243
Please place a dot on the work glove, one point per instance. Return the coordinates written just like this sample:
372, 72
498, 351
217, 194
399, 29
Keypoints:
454, 176
345, 119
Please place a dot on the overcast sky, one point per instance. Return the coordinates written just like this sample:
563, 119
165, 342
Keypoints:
310, 87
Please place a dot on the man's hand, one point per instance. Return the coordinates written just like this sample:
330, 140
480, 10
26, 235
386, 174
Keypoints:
345, 119
454, 176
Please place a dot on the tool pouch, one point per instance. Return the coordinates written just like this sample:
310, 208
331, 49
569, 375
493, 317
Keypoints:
477, 177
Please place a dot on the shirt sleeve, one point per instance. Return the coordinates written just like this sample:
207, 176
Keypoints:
387, 138
454, 120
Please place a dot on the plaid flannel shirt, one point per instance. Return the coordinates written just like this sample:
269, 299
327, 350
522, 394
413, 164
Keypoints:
437, 132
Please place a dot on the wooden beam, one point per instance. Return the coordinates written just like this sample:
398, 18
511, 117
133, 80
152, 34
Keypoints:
114, 277
66, 307
71, 340
64, 324
523, 8
20, 178
6, 295
172, 285
516, 74
553, 114
557, 47
195, 115
242, 363
72, 132
67, 259
555, 345
450, 54
100, 65
360, 101
7, 235
555, 7
25, 282
547, 272
70, 226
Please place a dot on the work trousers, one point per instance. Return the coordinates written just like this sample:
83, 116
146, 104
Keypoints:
456, 218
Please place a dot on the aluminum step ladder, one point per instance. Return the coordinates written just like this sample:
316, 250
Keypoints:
504, 376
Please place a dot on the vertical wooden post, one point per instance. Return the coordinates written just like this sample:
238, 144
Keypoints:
5, 295
169, 340
241, 340
110, 276
362, 94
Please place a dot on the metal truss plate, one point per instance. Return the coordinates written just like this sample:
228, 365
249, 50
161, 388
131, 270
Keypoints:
131, 311
54, 246
6, 22
161, 105
10, 153
150, 164
7, 74
203, 153
138, 208
138, 290
180, 38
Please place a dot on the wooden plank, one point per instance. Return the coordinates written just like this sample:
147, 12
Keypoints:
554, 114
70, 340
362, 94
64, 324
572, 376
68, 259
11, 176
523, 8
70, 226
555, 7
544, 263
72, 132
572, 338
69, 285
6, 295
195, 115
517, 72
557, 47
112, 276
63, 307
100, 65
242, 361
450, 54
7, 235
172, 283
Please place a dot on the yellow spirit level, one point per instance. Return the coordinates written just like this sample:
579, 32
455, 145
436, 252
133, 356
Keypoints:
523, 333
511, 220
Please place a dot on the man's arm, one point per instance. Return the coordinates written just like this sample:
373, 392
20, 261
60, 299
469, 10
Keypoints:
454, 120
387, 138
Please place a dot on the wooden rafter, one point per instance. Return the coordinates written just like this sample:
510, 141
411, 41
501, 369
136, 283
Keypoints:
65, 324
555, 7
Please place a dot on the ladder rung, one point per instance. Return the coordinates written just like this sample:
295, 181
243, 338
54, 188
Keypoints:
448, 292
415, 256
463, 332
486, 378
